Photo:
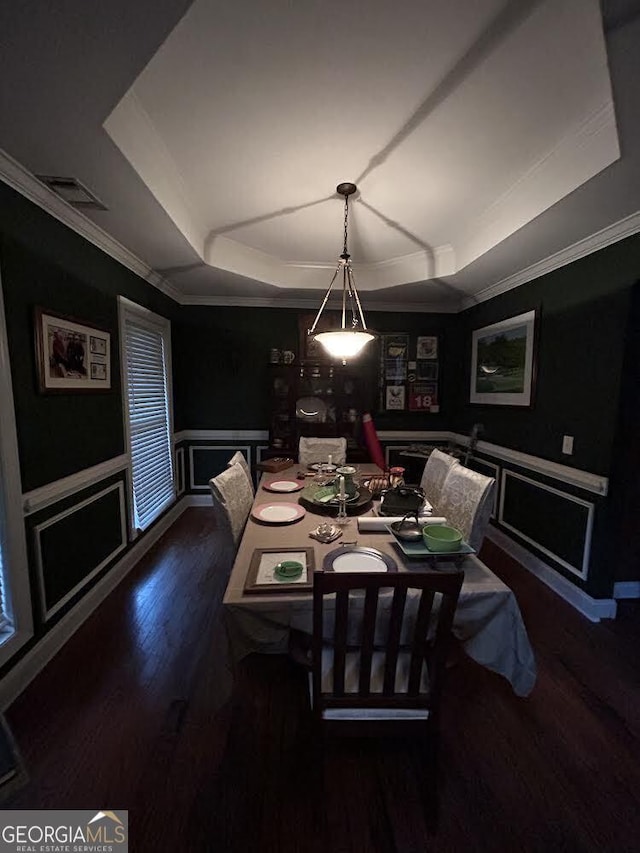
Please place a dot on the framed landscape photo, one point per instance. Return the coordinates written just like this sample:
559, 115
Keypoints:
502, 362
71, 355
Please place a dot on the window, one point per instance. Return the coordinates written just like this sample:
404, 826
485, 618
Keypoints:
16, 622
146, 367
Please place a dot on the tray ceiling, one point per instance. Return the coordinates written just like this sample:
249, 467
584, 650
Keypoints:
216, 133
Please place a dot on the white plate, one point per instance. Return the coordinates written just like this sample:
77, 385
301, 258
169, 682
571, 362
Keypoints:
283, 486
346, 559
280, 513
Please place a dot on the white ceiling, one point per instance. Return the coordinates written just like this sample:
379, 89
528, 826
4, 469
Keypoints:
485, 137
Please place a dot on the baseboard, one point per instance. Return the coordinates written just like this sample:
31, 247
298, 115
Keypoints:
199, 500
626, 589
26, 669
594, 609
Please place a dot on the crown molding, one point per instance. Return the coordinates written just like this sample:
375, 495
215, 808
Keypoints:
601, 239
314, 304
20, 179
23, 181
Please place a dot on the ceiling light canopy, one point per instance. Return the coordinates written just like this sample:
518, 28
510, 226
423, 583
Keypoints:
344, 342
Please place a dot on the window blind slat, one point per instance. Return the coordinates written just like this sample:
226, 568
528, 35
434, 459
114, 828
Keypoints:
151, 450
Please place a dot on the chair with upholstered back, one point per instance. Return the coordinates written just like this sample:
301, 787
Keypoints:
312, 450
435, 473
232, 500
466, 502
240, 459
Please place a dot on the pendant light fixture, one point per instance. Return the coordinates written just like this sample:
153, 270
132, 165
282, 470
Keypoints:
346, 341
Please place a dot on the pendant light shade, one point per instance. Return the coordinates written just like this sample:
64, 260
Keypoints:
351, 336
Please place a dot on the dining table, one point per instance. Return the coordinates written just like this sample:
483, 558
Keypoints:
487, 622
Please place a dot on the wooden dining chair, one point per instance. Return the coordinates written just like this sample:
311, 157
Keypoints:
379, 649
311, 450
435, 473
232, 499
467, 502
240, 459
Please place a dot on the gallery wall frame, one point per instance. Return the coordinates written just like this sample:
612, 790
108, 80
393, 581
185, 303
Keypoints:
503, 361
71, 355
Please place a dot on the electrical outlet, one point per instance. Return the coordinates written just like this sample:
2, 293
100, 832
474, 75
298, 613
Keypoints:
567, 444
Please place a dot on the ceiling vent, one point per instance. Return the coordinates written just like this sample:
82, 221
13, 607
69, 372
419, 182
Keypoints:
72, 191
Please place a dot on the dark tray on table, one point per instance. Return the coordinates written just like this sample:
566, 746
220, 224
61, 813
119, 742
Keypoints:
353, 507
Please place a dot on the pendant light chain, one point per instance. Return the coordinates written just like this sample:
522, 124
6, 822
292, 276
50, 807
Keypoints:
344, 343
345, 252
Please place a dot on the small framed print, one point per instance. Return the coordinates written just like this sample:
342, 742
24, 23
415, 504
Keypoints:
395, 397
70, 355
428, 371
396, 347
262, 576
423, 397
427, 347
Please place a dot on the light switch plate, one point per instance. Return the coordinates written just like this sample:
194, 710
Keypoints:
567, 444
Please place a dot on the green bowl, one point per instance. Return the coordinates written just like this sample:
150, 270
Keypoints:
440, 537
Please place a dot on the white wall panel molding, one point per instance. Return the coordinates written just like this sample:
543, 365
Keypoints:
571, 476
21, 180
26, 669
48, 612
44, 496
594, 609
581, 570
212, 448
179, 466
221, 435
414, 436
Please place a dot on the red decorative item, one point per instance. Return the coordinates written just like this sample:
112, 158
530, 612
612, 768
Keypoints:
373, 443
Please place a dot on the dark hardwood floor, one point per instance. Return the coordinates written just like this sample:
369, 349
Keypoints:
127, 716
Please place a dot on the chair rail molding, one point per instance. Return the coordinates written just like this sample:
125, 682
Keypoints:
44, 496
220, 435
572, 476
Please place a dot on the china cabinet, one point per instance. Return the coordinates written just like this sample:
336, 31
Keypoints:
317, 400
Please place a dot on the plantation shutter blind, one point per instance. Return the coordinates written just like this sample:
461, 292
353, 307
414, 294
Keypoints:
151, 458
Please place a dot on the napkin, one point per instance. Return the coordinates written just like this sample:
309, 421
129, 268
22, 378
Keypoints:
380, 522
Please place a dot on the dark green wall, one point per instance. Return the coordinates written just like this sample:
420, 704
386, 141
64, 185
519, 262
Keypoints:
220, 358
44, 263
584, 309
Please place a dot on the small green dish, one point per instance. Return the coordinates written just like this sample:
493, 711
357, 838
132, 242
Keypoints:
441, 538
288, 570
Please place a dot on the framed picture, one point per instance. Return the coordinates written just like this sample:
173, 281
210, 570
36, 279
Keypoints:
262, 576
423, 397
394, 398
427, 347
70, 355
502, 362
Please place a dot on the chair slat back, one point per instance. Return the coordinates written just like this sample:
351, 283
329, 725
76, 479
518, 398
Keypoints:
362, 627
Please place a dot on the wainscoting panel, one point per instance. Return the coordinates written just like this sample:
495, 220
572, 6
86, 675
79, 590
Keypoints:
207, 460
180, 473
73, 546
556, 523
